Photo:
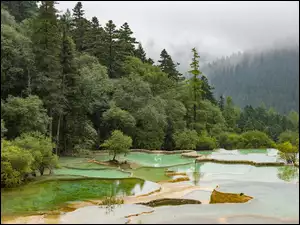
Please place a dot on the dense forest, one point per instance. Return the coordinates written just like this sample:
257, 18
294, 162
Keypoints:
70, 85
269, 76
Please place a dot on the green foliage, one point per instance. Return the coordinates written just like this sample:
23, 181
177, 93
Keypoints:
118, 119
194, 90
289, 136
93, 79
151, 123
186, 139
15, 164
3, 128
288, 173
40, 147
167, 66
16, 57
140, 53
46, 41
21, 9
231, 114
80, 27
207, 90
24, 115
118, 143
206, 142
255, 77
210, 118
257, 139
288, 152
231, 141
260, 119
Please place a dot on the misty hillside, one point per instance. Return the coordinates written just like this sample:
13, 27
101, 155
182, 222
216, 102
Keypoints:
271, 77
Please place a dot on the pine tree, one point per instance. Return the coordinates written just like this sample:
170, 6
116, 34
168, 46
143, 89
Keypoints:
80, 27
207, 90
126, 41
221, 102
150, 61
69, 73
195, 83
95, 23
46, 40
111, 49
140, 53
167, 65
95, 40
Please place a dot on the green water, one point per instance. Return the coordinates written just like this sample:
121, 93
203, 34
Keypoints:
92, 173
264, 183
152, 160
51, 195
154, 174
79, 163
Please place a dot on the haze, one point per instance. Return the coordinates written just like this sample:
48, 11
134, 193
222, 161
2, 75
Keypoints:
215, 28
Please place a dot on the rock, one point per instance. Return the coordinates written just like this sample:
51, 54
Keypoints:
169, 201
179, 179
173, 173
220, 197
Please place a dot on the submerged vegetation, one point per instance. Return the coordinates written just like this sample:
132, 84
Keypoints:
70, 86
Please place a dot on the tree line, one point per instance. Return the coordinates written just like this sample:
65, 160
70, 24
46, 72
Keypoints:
70, 85
269, 76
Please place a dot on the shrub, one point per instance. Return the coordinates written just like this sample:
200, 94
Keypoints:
118, 143
288, 136
206, 142
15, 164
257, 139
41, 148
288, 152
230, 141
23, 115
186, 139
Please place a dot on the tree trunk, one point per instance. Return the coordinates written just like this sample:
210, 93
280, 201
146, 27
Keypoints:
50, 170
29, 82
57, 133
114, 158
50, 125
195, 99
41, 169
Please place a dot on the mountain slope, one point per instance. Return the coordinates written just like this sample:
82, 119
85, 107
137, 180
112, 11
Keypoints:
271, 77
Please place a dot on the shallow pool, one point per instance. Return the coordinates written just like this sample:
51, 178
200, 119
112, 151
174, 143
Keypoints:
50, 195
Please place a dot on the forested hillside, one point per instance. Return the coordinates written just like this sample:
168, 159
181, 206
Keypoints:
271, 77
68, 84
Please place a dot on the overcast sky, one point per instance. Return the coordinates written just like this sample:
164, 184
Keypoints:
215, 28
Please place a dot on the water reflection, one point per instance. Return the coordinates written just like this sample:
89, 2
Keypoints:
197, 173
288, 173
214, 172
54, 194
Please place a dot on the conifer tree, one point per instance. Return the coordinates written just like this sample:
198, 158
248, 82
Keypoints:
95, 40
207, 90
221, 102
167, 65
21, 9
46, 40
80, 27
195, 84
126, 41
68, 81
150, 61
140, 53
111, 48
